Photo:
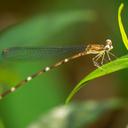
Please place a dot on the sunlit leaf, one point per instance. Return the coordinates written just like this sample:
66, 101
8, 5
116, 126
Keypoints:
122, 30
118, 64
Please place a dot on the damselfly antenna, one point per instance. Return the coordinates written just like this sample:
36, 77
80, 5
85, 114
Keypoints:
30, 52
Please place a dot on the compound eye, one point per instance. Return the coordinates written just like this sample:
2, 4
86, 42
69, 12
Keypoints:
108, 42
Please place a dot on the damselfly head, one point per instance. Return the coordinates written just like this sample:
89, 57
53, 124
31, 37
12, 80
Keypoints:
108, 45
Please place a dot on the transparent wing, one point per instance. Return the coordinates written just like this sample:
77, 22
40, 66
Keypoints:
36, 53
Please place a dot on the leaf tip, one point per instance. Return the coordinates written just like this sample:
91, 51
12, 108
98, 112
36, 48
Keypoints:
121, 5
122, 30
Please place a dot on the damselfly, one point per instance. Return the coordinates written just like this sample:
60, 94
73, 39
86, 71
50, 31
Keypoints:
99, 50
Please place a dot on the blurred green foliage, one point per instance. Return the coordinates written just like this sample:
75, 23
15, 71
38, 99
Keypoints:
43, 27
77, 115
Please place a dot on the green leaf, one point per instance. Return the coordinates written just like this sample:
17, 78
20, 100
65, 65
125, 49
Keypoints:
77, 115
118, 64
122, 30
